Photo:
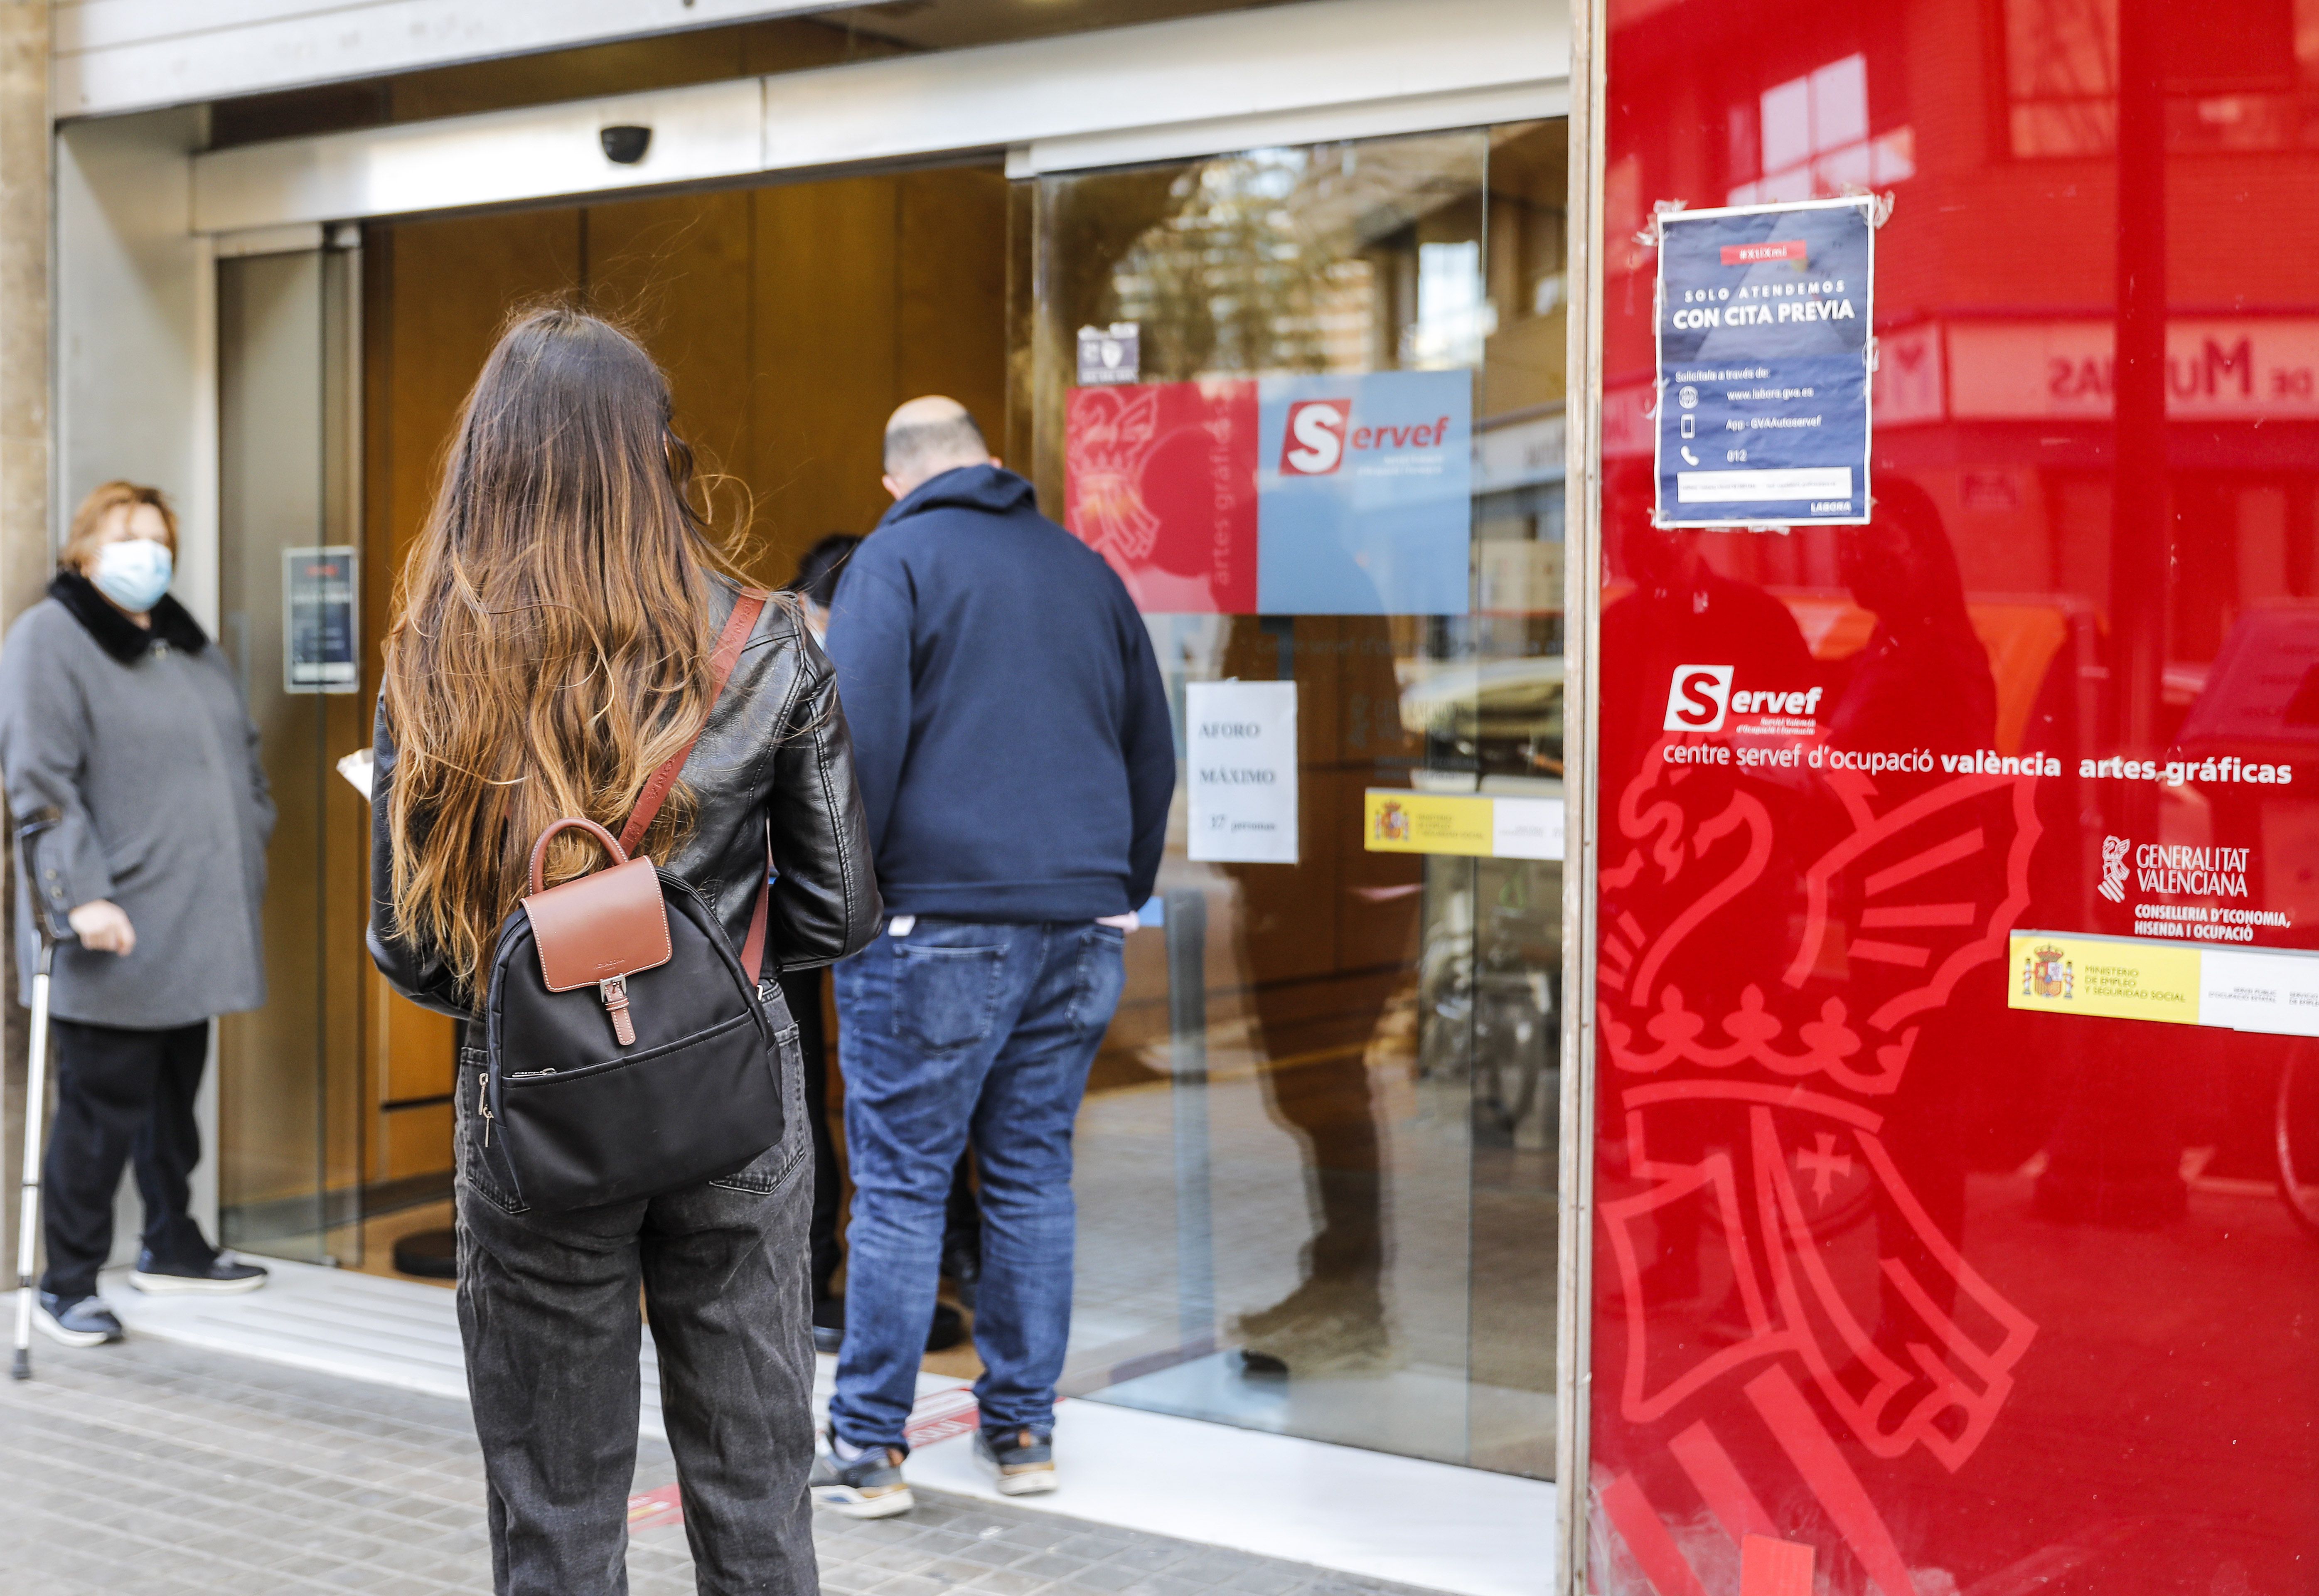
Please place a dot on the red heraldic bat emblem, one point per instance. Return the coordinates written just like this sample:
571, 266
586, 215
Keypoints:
1159, 478
1755, 1076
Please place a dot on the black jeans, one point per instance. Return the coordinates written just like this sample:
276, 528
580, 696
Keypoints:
547, 1311
803, 990
122, 1097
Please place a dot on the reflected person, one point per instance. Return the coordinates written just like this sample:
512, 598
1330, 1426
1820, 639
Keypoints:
1315, 1075
1676, 608
1922, 681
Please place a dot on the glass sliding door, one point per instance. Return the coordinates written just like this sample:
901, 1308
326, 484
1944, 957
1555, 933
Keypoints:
1308, 402
289, 1074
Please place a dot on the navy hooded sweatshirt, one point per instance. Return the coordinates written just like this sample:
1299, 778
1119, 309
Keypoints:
1010, 730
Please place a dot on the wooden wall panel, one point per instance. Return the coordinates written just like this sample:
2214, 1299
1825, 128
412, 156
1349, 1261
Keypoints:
677, 271
454, 283
951, 301
415, 1140
439, 292
825, 348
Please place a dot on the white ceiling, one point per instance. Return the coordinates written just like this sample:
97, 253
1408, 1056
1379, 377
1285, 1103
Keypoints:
112, 56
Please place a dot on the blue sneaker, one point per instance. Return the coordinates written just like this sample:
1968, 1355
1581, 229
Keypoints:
77, 1322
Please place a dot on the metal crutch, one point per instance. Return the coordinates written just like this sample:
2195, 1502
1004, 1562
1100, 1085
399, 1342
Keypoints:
36, 1085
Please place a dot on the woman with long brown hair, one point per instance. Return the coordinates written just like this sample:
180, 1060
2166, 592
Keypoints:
552, 649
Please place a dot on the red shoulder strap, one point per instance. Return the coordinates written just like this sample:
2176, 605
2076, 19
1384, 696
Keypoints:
729, 643
753, 951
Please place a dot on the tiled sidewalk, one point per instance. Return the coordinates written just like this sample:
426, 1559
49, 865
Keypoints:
150, 1469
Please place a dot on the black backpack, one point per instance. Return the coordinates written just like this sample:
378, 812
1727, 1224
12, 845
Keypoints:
626, 1052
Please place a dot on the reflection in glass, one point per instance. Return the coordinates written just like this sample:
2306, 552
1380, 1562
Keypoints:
290, 1098
1317, 1166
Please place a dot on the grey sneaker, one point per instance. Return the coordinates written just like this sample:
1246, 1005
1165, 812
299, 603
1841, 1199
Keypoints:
1019, 1462
83, 1322
869, 1487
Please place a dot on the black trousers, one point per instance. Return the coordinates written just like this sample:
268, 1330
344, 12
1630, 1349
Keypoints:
547, 1316
803, 990
122, 1097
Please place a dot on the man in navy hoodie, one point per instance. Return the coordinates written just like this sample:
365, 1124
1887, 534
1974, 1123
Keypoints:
1012, 742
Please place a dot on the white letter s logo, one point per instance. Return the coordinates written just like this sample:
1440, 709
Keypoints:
1697, 697
1315, 441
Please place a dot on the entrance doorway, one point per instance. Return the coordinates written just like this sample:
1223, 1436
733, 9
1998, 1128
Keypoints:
1337, 1070
1319, 1153
791, 320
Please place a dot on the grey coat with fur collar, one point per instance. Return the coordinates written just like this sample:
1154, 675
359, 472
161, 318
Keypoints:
140, 741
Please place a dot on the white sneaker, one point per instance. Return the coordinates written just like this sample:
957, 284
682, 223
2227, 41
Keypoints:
869, 1487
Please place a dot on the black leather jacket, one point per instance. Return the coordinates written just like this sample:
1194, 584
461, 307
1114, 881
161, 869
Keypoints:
775, 754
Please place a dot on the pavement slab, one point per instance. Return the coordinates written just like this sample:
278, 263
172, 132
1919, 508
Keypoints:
155, 1468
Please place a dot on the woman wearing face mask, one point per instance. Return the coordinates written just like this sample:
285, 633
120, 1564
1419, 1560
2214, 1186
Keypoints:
118, 717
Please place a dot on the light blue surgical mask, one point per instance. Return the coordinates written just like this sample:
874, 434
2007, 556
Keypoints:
133, 572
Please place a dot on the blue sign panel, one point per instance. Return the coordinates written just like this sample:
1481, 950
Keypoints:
1364, 493
1764, 322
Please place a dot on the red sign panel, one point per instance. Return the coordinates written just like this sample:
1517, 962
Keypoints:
1956, 1221
1161, 479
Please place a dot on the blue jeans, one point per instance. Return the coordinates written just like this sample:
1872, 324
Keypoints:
964, 1030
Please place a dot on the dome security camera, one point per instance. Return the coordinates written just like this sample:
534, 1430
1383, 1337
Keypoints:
626, 145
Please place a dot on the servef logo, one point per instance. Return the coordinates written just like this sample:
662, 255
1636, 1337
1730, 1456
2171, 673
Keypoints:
1315, 443
1697, 697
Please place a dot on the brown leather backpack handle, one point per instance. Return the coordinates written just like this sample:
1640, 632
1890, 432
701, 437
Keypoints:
539, 849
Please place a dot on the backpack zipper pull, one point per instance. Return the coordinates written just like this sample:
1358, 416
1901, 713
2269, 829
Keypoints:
483, 1104
615, 994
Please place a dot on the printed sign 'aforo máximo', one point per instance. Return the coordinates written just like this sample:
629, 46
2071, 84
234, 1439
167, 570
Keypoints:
1240, 754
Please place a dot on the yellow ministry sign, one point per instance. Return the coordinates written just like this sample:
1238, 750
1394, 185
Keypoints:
2114, 977
1400, 821
1493, 825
